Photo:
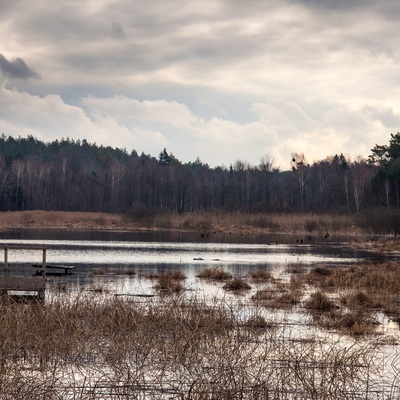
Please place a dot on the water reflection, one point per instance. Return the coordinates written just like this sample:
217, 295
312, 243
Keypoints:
145, 252
139, 253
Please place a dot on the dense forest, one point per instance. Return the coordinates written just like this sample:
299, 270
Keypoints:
73, 175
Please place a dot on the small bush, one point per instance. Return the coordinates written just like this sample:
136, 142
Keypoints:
285, 300
100, 271
319, 301
168, 285
260, 276
236, 284
175, 274
258, 322
358, 299
263, 295
214, 274
170, 281
323, 271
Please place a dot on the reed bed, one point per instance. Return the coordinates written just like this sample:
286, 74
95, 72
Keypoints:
110, 348
206, 222
370, 285
347, 299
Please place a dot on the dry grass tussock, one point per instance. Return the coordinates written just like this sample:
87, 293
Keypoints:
214, 274
169, 282
237, 285
210, 221
261, 276
171, 348
276, 298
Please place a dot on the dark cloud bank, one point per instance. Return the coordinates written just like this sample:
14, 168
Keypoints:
17, 69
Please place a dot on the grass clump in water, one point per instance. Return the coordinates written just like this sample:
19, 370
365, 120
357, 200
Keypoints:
236, 285
319, 301
260, 276
214, 274
170, 282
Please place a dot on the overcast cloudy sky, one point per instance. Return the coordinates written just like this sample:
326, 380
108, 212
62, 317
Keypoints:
221, 80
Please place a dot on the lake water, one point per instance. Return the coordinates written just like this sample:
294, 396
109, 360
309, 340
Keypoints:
145, 252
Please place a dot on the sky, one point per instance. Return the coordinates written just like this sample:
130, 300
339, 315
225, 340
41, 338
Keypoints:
221, 80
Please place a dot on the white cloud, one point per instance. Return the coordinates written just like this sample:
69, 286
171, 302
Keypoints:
215, 79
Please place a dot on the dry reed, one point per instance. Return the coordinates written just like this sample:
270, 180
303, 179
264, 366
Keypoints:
205, 222
170, 281
260, 276
91, 348
319, 301
214, 274
236, 285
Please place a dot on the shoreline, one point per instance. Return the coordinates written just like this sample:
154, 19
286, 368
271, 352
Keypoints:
205, 222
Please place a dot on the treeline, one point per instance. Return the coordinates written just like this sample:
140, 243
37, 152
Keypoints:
73, 175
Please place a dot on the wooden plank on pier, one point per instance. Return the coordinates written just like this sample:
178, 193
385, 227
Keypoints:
55, 269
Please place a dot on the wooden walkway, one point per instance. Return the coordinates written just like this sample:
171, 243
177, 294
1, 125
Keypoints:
56, 270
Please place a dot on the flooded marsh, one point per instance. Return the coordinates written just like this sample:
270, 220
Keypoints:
181, 317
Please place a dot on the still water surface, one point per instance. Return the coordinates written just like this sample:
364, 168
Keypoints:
157, 251
87, 249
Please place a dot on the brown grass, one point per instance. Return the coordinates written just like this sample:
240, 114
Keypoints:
62, 219
260, 323
236, 285
359, 300
170, 282
351, 323
276, 298
99, 271
260, 276
361, 289
264, 295
386, 245
380, 282
319, 301
113, 348
205, 222
214, 274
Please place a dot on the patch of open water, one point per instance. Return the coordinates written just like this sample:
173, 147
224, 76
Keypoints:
144, 252
155, 251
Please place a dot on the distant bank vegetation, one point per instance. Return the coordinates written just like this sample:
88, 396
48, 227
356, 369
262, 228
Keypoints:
67, 175
208, 223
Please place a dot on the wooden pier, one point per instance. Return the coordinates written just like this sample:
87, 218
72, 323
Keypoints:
54, 270
17, 280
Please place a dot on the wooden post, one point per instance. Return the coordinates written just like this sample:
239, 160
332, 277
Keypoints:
44, 263
5, 261
40, 293
5, 271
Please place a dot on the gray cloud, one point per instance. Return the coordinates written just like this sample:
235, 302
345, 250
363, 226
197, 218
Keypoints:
117, 30
17, 69
264, 76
